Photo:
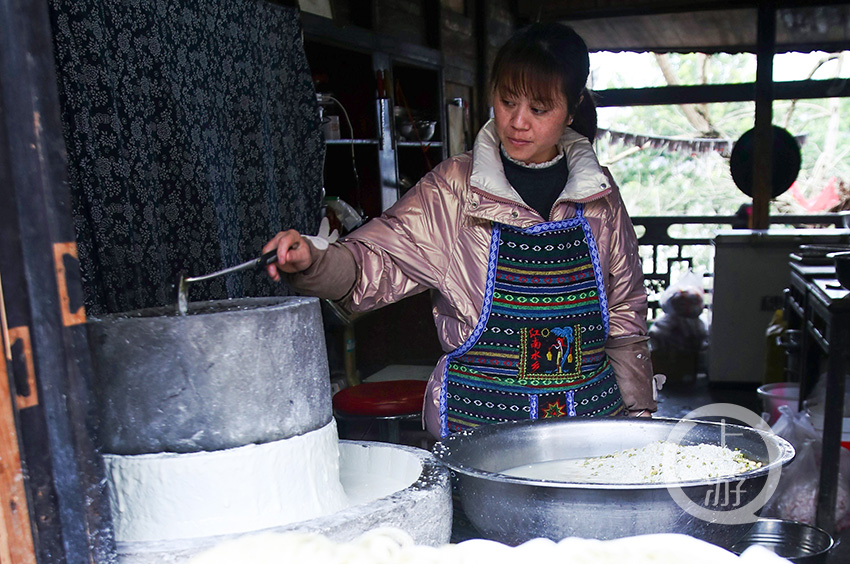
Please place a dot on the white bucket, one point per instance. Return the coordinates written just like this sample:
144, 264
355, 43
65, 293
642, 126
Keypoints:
815, 413
781, 393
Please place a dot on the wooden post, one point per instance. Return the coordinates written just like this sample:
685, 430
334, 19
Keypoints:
16, 543
482, 41
57, 511
763, 134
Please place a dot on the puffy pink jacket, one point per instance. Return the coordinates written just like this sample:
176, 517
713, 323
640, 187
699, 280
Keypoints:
437, 237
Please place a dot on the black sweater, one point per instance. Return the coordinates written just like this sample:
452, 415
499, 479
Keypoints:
538, 187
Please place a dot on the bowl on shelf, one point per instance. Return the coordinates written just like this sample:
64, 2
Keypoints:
842, 267
418, 130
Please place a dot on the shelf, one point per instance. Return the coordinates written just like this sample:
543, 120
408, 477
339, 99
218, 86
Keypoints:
367, 76
796, 307
351, 141
425, 144
833, 291
818, 336
825, 338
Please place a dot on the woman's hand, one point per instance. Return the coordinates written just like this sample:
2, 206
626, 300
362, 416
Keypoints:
640, 413
293, 254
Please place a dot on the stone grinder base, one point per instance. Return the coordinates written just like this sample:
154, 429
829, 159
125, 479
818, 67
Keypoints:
389, 486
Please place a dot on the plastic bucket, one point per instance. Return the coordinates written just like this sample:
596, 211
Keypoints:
774, 395
815, 413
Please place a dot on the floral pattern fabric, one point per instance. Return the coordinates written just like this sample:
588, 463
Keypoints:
192, 136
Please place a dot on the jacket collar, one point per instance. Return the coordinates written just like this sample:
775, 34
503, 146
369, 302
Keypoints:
587, 180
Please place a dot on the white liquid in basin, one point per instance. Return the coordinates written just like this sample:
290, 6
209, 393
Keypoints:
660, 461
373, 472
567, 470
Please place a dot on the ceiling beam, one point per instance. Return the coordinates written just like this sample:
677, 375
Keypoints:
552, 10
748, 48
719, 93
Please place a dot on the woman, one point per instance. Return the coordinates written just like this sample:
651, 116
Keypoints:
539, 295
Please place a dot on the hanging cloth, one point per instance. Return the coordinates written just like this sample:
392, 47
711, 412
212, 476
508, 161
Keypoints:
538, 350
192, 137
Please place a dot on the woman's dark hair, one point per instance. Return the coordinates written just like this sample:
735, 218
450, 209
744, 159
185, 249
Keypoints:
538, 59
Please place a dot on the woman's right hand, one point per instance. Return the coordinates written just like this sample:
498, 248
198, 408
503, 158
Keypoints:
293, 254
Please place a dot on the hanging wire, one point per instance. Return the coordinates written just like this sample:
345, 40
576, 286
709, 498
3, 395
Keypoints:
353, 160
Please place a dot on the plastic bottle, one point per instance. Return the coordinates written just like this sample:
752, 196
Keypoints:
347, 215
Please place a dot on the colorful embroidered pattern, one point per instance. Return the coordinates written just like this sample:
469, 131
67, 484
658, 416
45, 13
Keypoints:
550, 353
539, 350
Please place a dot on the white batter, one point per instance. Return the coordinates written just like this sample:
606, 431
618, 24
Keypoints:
661, 461
170, 496
392, 546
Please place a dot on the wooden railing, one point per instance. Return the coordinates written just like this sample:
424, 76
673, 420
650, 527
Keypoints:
670, 245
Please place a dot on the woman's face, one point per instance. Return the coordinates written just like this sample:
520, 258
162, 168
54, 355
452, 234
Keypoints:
529, 129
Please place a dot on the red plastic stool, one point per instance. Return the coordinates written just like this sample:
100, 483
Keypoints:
388, 403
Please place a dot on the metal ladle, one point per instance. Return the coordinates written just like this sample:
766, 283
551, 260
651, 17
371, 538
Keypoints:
183, 286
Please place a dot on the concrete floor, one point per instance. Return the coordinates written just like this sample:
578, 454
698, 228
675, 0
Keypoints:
675, 401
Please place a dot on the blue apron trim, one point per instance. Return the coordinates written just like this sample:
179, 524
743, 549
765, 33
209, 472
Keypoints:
532, 402
597, 267
552, 226
487, 306
571, 404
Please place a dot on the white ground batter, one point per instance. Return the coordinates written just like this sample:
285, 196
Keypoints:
661, 461
169, 496
389, 546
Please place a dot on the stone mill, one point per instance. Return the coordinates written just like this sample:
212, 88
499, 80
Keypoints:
218, 423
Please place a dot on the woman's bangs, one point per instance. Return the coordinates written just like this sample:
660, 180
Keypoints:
532, 82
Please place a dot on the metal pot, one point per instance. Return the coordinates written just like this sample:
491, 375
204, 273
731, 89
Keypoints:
842, 267
798, 542
513, 510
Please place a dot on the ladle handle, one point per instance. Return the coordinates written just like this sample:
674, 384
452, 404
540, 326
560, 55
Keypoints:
267, 258
263, 260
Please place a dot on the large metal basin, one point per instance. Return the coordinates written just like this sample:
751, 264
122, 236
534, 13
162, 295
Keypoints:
513, 510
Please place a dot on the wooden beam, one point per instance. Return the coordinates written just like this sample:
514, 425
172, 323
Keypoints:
16, 540
719, 93
797, 46
549, 10
592, 9
763, 135
323, 30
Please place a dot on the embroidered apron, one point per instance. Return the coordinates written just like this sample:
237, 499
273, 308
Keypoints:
538, 349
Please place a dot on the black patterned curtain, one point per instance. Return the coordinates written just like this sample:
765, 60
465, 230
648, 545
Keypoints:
193, 136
